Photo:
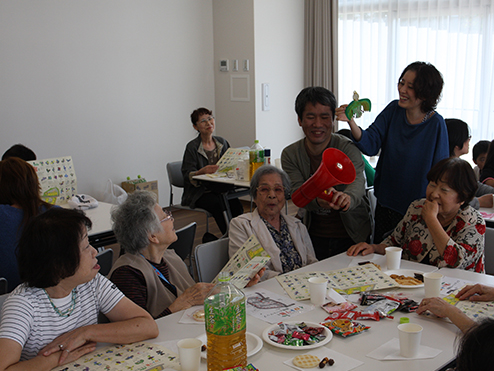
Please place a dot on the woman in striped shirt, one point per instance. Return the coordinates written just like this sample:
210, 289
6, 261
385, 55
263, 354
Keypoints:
51, 319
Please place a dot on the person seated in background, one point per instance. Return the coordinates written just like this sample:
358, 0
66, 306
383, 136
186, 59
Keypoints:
19, 201
487, 173
51, 319
443, 229
479, 154
21, 151
441, 308
369, 171
283, 237
150, 274
200, 157
333, 226
459, 145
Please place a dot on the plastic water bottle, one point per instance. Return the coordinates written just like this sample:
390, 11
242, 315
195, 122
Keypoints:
256, 158
224, 308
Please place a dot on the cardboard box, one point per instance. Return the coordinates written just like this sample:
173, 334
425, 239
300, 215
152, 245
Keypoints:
130, 186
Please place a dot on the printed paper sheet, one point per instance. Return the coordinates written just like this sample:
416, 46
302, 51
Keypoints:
136, 357
344, 281
246, 262
274, 308
57, 179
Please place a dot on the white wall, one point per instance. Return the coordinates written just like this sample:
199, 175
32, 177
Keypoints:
279, 35
109, 82
234, 39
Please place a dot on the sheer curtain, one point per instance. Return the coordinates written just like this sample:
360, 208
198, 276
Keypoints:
377, 39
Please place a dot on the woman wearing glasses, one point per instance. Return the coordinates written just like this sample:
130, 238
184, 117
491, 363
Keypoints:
285, 238
200, 157
149, 274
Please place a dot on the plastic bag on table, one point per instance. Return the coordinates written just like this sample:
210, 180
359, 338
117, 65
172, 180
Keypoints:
114, 194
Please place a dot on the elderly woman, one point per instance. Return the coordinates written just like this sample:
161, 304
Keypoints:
200, 157
19, 202
51, 319
283, 237
442, 229
149, 274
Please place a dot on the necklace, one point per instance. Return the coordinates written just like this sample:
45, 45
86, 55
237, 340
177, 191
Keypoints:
427, 115
67, 312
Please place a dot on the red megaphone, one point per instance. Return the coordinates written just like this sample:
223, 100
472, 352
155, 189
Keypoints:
336, 168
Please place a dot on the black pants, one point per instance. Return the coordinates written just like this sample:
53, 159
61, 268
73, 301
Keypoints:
385, 221
213, 203
325, 247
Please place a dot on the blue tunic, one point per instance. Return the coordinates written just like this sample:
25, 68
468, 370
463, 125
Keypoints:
407, 154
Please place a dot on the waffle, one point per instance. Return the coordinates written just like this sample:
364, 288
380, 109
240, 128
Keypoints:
306, 361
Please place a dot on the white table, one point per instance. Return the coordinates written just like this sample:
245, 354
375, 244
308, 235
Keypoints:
437, 334
229, 188
101, 233
489, 221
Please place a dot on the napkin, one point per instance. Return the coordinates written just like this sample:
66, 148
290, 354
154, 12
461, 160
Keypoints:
390, 351
374, 258
187, 316
341, 361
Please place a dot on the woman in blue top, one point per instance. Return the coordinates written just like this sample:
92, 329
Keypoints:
412, 137
19, 202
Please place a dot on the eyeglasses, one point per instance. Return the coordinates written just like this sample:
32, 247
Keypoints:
264, 190
210, 118
167, 217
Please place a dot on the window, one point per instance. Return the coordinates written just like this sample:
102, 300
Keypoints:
377, 39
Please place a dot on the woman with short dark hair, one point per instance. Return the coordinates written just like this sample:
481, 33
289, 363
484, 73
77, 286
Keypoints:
442, 229
51, 319
200, 157
410, 137
19, 202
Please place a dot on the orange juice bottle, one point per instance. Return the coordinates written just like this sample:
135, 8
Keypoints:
256, 158
224, 309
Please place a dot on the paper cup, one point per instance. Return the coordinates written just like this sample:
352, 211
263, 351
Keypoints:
189, 351
393, 257
432, 284
409, 335
318, 287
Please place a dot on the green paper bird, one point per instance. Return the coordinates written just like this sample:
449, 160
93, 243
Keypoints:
357, 107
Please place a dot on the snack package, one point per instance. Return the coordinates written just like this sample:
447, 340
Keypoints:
345, 327
383, 307
353, 315
342, 307
249, 367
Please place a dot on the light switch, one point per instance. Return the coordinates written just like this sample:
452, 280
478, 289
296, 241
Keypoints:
265, 97
246, 65
235, 65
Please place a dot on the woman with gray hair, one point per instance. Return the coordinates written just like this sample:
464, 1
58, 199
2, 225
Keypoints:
149, 274
283, 237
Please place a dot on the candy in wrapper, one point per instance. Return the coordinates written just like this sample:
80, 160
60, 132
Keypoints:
249, 367
383, 307
296, 335
345, 327
342, 307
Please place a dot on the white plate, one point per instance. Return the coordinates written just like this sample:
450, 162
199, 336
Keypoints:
327, 332
408, 273
254, 344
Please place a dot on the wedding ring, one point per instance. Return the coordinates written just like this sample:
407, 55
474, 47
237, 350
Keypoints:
61, 347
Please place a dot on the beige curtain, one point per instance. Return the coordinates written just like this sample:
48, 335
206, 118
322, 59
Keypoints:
321, 44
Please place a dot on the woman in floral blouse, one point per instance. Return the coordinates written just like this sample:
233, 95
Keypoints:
442, 229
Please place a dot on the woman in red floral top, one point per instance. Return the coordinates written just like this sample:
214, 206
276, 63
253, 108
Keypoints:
441, 229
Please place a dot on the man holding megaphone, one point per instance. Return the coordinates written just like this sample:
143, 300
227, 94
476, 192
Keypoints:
337, 217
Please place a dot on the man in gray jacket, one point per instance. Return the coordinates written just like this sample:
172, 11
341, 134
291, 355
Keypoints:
336, 225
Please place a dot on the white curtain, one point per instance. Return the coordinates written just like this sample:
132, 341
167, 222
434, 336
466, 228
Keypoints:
377, 39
